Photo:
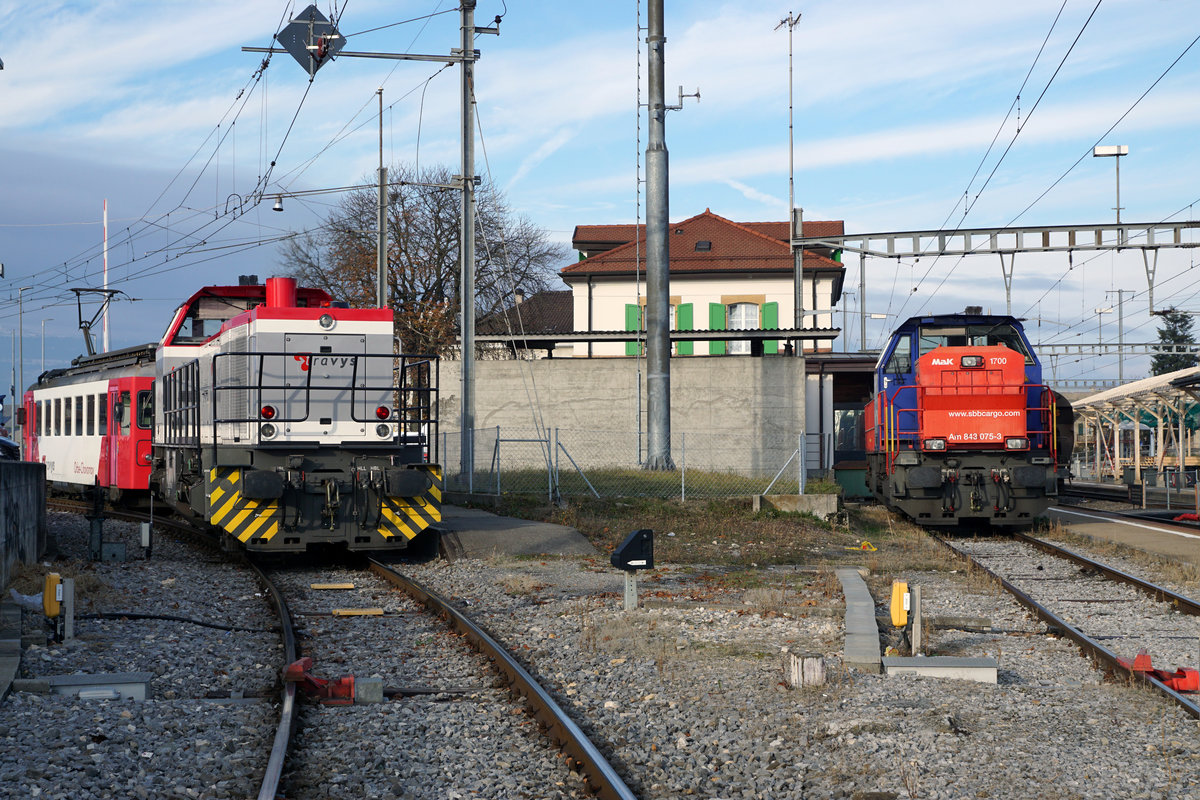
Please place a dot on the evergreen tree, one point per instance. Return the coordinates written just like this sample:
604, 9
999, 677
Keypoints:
1176, 329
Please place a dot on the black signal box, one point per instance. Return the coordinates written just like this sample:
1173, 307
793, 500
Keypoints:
636, 552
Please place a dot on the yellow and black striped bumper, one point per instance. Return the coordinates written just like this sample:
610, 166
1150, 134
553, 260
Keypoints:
241, 517
408, 516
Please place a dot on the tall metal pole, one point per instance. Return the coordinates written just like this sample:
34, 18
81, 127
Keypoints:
105, 273
796, 222
44, 321
862, 302
381, 272
466, 236
1120, 293
18, 400
658, 255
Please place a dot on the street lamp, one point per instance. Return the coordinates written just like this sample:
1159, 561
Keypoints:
1115, 151
48, 319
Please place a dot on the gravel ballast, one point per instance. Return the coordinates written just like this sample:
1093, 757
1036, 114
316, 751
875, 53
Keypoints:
686, 695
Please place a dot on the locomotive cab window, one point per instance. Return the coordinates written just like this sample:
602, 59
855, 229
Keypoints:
973, 336
900, 361
205, 318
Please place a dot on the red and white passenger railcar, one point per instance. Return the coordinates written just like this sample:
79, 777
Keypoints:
91, 424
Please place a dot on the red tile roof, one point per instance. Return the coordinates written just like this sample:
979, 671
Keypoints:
544, 312
733, 247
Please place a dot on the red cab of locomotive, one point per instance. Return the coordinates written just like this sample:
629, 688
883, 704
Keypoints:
961, 428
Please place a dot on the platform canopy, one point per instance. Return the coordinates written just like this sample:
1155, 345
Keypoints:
1165, 398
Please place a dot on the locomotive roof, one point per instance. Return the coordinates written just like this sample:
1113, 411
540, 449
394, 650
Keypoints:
101, 362
913, 323
308, 296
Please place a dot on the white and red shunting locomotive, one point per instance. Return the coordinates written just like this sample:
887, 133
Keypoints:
271, 412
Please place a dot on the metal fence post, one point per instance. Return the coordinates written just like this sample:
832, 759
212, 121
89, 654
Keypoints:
496, 460
800, 461
683, 468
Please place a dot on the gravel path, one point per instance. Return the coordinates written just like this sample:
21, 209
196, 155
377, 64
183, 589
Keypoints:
686, 696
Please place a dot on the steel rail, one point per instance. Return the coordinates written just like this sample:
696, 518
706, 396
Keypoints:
1160, 593
1097, 651
601, 777
269, 788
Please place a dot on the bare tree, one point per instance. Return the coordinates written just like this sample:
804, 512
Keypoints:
423, 270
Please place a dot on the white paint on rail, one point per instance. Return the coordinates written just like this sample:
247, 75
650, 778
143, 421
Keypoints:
1127, 522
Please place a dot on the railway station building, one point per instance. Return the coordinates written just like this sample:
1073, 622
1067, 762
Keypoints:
733, 369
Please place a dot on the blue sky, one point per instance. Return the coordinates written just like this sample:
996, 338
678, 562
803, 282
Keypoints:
895, 108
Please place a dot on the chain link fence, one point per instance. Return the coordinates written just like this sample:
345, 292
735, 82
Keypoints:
557, 463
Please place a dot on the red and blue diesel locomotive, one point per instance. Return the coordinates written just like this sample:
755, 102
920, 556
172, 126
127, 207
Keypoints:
269, 411
961, 428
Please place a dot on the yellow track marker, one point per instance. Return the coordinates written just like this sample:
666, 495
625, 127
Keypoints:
332, 586
357, 612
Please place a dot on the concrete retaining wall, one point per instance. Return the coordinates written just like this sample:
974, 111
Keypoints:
737, 411
22, 516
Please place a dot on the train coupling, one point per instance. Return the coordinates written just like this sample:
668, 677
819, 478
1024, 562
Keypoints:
328, 691
1181, 680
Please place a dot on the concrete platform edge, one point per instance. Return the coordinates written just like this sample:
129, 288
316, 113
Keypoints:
861, 649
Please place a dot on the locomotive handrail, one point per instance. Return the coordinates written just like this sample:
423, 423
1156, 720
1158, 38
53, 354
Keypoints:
417, 413
890, 433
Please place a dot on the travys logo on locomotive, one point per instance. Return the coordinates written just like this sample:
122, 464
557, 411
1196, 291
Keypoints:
307, 361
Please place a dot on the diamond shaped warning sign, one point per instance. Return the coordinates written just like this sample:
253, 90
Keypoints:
311, 39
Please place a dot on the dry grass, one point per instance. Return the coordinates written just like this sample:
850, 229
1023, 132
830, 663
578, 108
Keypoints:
764, 600
520, 585
91, 593
729, 533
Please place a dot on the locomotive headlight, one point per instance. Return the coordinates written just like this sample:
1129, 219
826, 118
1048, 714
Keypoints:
934, 444
971, 362
1016, 443
383, 412
267, 412
326, 321
267, 431
383, 431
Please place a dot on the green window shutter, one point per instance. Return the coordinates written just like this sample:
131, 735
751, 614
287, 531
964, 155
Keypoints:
769, 316
633, 320
716, 322
683, 322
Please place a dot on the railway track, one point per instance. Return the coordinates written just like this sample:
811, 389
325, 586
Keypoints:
405, 695
1110, 614
415, 612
